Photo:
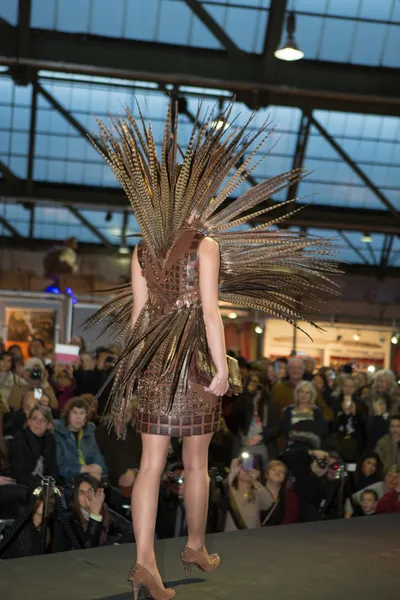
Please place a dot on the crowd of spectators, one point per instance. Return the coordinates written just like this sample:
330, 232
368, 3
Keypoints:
299, 444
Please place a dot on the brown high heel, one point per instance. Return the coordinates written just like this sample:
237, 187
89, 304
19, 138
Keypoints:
139, 576
191, 557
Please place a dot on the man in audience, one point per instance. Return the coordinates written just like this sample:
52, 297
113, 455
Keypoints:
310, 363
282, 393
388, 447
36, 376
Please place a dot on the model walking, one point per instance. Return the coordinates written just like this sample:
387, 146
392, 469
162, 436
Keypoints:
187, 261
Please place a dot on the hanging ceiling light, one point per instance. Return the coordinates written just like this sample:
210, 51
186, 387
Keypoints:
290, 50
232, 315
395, 338
366, 238
258, 329
123, 249
356, 337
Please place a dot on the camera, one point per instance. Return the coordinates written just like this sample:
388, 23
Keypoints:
35, 374
110, 360
323, 463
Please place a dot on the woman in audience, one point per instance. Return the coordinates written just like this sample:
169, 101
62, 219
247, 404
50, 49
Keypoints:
369, 471
321, 384
303, 421
33, 449
8, 377
93, 523
349, 430
384, 385
63, 384
77, 449
241, 498
378, 423
285, 505
36, 377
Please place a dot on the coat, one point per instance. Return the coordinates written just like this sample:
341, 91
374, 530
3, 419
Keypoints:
68, 463
388, 453
25, 452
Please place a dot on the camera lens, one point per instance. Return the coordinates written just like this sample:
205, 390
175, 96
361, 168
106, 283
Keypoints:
36, 374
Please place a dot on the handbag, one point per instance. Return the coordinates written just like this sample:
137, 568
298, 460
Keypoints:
202, 371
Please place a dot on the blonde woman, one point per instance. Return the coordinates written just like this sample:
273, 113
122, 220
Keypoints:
303, 422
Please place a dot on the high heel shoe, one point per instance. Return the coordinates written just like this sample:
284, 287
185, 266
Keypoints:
191, 557
140, 577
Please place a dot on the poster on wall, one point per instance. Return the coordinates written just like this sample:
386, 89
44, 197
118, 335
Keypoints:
25, 324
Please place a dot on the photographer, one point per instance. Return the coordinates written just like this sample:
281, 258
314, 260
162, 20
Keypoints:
36, 377
171, 514
91, 381
240, 499
312, 482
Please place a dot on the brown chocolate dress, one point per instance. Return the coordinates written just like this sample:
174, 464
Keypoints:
174, 286
279, 272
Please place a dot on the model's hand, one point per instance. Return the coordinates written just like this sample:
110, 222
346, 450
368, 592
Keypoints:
219, 385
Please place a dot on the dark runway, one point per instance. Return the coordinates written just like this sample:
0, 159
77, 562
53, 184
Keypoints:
342, 560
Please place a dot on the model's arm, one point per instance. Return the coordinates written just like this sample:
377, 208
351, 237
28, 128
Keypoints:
139, 287
209, 272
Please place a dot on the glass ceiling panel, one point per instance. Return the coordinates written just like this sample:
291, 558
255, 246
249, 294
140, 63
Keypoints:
321, 24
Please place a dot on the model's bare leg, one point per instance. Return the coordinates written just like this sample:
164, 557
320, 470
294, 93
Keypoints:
145, 499
196, 491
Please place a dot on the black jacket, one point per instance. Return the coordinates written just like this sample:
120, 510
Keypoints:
120, 455
119, 530
242, 414
26, 450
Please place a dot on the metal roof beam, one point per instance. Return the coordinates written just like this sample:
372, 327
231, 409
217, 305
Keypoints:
353, 247
273, 35
307, 84
298, 158
212, 25
89, 225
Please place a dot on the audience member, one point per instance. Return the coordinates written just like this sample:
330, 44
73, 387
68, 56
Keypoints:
378, 423
77, 449
63, 384
282, 393
16, 352
36, 377
348, 429
303, 421
369, 502
93, 522
369, 471
15, 421
221, 449
122, 456
256, 421
171, 514
37, 349
390, 501
241, 498
285, 508
321, 384
33, 450
388, 447
8, 377
310, 364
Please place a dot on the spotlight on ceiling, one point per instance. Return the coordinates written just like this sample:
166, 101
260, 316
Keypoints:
371, 369
366, 238
232, 315
290, 50
123, 249
258, 329
395, 338
356, 337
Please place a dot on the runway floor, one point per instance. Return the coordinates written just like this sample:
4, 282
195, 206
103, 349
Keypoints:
336, 560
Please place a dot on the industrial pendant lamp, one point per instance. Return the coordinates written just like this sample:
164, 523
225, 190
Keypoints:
290, 50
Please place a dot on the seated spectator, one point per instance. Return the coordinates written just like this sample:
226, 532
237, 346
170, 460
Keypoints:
312, 485
171, 514
63, 384
369, 471
255, 420
282, 393
303, 420
310, 364
36, 376
285, 508
321, 384
91, 381
33, 449
390, 501
348, 430
378, 423
369, 502
241, 498
77, 450
388, 447
352, 505
93, 523
28, 542
122, 456
8, 377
